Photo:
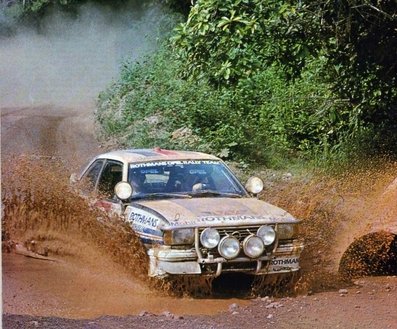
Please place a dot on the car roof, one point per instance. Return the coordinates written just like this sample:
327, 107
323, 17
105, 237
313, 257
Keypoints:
155, 154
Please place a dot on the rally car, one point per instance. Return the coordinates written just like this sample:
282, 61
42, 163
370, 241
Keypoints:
192, 214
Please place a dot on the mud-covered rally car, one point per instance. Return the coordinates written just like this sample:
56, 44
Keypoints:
193, 215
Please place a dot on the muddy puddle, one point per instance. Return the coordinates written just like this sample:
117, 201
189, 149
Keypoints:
66, 289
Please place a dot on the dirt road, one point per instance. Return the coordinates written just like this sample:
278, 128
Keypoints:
49, 131
83, 287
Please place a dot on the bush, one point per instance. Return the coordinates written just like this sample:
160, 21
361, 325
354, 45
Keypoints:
262, 118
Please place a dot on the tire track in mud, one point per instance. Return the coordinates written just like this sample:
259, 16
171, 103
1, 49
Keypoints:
49, 131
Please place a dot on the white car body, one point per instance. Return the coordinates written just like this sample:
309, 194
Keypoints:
170, 216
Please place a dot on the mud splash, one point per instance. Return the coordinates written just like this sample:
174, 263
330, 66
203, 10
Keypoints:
337, 212
41, 211
48, 218
372, 254
81, 263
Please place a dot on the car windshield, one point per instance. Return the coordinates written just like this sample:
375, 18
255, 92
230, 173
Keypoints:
188, 178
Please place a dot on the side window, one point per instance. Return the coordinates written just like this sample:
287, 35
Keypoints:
111, 175
222, 181
90, 177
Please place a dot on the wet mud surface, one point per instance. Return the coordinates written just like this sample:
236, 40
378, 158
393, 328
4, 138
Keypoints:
369, 303
64, 288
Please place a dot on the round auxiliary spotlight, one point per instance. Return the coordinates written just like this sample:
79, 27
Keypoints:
229, 247
209, 238
267, 234
253, 246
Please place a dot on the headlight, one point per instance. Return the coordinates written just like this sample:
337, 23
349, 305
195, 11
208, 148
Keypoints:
179, 236
123, 190
209, 238
254, 185
253, 246
229, 247
267, 234
287, 231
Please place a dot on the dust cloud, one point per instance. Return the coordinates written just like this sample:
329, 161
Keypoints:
69, 59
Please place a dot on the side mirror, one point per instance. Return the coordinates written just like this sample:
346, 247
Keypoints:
74, 178
123, 190
254, 185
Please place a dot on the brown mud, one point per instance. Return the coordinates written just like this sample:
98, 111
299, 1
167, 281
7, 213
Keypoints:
337, 212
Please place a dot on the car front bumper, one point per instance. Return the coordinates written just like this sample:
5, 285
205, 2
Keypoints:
165, 260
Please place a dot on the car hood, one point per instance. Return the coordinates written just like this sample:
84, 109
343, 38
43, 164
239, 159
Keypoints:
198, 212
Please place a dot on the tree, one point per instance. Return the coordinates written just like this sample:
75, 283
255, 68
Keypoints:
361, 47
230, 40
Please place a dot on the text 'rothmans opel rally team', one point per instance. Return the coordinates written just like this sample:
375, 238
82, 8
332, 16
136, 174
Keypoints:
193, 215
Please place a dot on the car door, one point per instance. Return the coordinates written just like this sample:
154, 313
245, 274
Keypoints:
99, 181
89, 179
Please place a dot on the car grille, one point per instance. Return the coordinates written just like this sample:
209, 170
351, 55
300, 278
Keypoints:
240, 233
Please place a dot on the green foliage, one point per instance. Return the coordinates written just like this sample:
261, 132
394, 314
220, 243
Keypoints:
35, 6
233, 39
229, 40
361, 43
355, 41
260, 119
180, 6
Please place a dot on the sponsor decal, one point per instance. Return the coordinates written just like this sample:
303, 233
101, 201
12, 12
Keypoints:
285, 261
228, 218
170, 163
223, 219
142, 218
284, 264
224, 212
147, 232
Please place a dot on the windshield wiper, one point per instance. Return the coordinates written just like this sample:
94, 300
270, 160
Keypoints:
206, 193
160, 195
